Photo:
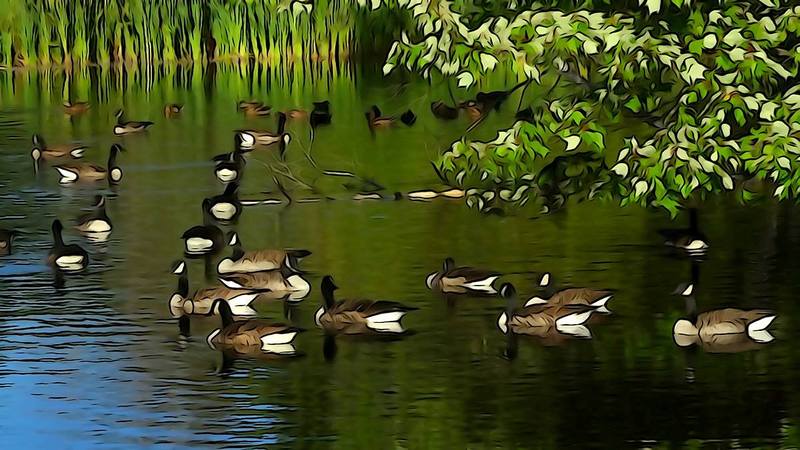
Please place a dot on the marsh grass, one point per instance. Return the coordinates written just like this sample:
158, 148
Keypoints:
107, 32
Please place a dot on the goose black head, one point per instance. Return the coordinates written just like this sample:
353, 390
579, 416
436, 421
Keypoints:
118, 114
38, 142
507, 291
178, 267
448, 265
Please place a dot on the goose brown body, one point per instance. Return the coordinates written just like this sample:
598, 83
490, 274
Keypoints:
75, 108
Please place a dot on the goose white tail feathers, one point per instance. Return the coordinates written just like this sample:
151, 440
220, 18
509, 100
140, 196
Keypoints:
393, 316
760, 324
578, 331
77, 152
502, 323
535, 301
573, 319
386, 327
242, 301
67, 176
246, 139
281, 338
483, 285
601, 303
230, 284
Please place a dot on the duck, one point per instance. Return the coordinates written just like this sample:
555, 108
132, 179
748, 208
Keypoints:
358, 316
74, 172
201, 302
75, 108
244, 336
688, 239
473, 109
41, 151
258, 260
96, 221
540, 319
321, 108
6, 240
282, 282
595, 298
442, 110
226, 206
376, 120
172, 109
66, 257
203, 239
462, 279
128, 127
251, 138
254, 108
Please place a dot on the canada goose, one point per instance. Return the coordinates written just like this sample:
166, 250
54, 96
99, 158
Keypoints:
128, 127
443, 111
572, 296
96, 221
358, 316
537, 319
69, 258
228, 167
6, 239
203, 239
281, 282
254, 108
321, 109
495, 99
248, 335
258, 260
712, 325
226, 206
429, 194
172, 109
461, 279
200, 303
75, 108
74, 172
689, 239
251, 138
41, 151
375, 120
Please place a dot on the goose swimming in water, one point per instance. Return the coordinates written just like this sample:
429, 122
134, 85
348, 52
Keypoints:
250, 138
226, 207
80, 172
97, 221
358, 316
203, 239
282, 283
595, 298
689, 239
124, 127
254, 108
258, 260
66, 257
42, 151
245, 336
443, 111
200, 303
538, 319
462, 279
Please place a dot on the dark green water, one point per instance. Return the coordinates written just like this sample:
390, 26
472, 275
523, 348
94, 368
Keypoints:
100, 362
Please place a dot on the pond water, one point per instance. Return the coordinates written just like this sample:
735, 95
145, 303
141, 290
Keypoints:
96, 359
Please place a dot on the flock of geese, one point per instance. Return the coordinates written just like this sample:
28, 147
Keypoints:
246, 275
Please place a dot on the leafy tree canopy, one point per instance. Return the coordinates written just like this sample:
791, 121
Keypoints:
707, 93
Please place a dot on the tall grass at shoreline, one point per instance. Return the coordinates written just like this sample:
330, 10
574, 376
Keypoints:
106, 32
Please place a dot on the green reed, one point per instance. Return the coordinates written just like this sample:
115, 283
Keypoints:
105, 32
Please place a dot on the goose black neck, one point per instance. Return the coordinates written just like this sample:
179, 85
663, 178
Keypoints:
183, 285
693, 219
327, 295
231, 190
448, 265
225, 312
112, 157
281, 123
695, 273
57, 239
238, 252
